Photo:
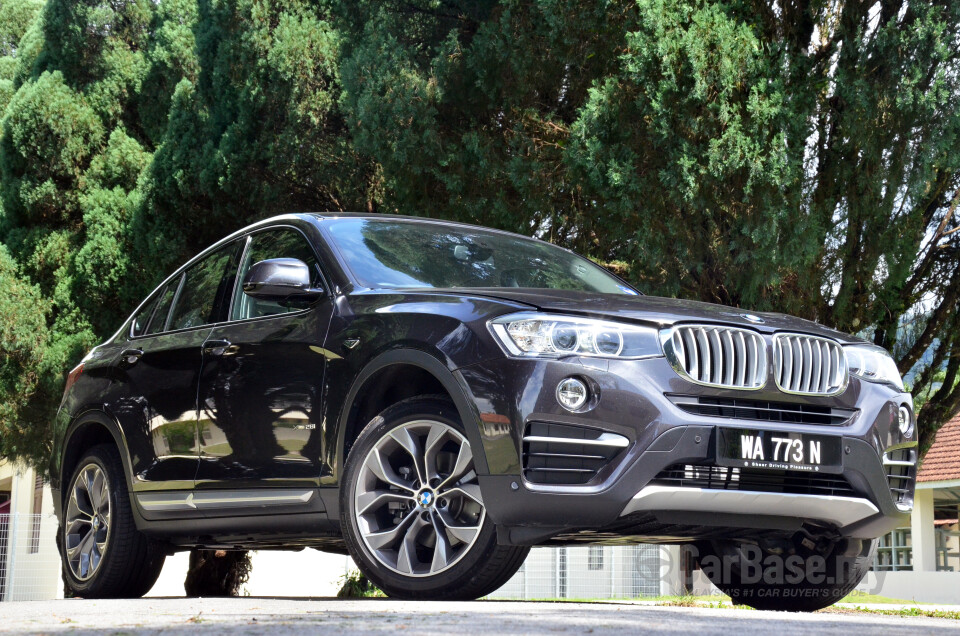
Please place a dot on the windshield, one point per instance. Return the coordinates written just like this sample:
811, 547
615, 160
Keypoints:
403, 254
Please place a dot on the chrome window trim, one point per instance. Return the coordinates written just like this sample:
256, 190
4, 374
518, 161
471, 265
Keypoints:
245, 235
324, 278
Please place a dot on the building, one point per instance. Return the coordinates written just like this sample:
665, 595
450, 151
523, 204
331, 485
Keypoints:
29, 563
936, 508
922, 562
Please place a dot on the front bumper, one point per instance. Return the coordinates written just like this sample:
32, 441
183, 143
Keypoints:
634, 403
838, 511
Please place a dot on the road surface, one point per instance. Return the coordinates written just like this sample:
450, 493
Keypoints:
252, 615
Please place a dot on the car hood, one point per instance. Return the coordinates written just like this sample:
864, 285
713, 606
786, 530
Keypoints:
663, 312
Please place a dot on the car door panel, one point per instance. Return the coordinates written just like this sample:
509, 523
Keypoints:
158, 370
260, 402
157, 410
260, 391
154, 399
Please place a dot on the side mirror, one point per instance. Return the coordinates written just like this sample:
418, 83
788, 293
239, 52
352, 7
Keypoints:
280, 279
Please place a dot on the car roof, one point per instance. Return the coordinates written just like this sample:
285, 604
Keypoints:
376, 216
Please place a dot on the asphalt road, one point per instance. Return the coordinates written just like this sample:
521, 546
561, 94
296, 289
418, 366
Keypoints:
252, 615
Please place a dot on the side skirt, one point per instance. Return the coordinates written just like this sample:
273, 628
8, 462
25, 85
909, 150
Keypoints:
264, 518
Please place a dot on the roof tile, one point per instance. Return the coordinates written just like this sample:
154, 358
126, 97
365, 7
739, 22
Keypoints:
942, 461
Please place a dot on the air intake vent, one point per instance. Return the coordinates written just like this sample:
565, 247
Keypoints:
567, 455
717, 356
779, 481
808, 365
901, 469
762, 411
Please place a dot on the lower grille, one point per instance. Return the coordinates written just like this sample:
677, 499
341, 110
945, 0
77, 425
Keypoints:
563, 454
901, 469
778, 481
763, 411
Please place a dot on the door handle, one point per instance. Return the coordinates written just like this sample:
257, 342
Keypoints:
131, 356
216, 347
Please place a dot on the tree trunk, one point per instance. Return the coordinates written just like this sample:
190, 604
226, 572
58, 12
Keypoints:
217, 572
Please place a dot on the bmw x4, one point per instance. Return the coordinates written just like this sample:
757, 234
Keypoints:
435, 398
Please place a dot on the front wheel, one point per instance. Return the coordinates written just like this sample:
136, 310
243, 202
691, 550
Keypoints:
412, 511
802, 574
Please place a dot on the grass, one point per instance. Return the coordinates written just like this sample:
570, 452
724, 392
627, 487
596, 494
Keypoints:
715, 602
904, 611
355, 585
875, 599
718, 600
854, 598
722, 601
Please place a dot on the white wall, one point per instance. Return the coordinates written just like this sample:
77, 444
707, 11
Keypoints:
275, 573
924, 587
30, 576
625, 572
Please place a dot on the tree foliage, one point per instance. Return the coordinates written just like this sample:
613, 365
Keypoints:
800, 157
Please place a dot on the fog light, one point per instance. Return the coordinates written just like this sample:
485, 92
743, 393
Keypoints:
571, 394
905, 420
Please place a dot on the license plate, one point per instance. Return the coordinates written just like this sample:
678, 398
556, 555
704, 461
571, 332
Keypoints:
779, 450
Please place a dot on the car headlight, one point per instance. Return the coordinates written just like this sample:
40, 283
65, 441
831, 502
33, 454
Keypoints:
873, 363
534, 335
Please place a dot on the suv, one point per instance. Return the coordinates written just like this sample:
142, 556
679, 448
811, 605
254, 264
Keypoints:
435, 398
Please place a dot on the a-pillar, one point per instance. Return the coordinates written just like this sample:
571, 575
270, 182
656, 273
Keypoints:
922, 532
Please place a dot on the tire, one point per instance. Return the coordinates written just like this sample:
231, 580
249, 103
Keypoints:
796, 575
125, 564
396, 539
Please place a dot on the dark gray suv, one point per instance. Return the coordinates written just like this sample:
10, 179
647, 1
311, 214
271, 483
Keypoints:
435, 398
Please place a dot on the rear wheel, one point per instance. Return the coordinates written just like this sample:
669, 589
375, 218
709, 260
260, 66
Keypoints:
412, 511
102, 552
799, 575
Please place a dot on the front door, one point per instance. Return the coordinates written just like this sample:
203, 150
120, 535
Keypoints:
260, 389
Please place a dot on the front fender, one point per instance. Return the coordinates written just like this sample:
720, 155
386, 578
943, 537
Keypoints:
467, 410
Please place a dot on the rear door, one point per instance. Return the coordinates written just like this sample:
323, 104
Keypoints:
260, 390
159, 367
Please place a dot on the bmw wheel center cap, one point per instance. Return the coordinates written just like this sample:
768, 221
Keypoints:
425, 498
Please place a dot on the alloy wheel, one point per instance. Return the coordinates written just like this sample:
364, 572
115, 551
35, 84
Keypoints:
87, 527
417, 502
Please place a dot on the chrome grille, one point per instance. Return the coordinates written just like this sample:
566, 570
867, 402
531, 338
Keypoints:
808, 365
717, 356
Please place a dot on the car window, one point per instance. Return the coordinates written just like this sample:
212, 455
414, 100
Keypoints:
393, 253
279, 243
208, 285
142, 318
159, 319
